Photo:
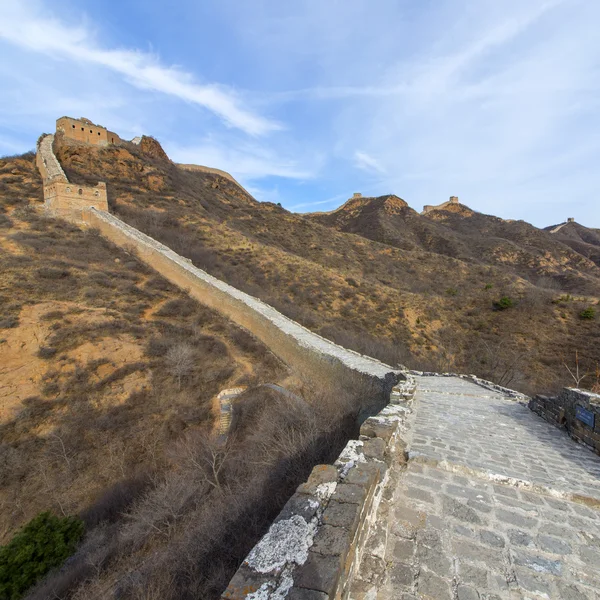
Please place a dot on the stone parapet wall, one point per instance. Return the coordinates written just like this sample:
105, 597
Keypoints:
62, 198
287, 339
46, 161
484, 383
315, 546
202, 169
577, 411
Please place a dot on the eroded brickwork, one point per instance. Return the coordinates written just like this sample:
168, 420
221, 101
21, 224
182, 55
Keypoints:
84, 131
62, 198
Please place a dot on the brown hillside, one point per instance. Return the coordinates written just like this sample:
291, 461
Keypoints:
584, 240
88, 395
393, 284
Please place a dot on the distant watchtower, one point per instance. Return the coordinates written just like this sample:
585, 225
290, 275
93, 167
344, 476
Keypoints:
357, 195
454, 199
85, 132
570, 220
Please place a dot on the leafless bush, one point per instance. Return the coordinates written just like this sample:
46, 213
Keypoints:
180, 360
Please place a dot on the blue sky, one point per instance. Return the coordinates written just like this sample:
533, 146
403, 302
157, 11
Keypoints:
306, 102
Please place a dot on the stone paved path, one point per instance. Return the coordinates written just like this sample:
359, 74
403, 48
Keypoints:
495, 504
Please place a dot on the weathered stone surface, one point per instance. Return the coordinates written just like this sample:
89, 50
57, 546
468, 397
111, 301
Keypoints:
348, 492
494, 503
319, 573
322, 477
302, 594
334, 541
342, 514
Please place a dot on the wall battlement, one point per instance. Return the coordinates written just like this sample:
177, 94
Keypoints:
429, 207
82, 130
62, 198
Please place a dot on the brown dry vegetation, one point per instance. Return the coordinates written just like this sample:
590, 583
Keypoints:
88, 396
108, 379
421, 292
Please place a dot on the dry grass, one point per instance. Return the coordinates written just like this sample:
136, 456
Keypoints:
390, 302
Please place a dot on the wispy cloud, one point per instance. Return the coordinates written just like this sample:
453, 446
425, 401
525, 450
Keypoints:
247, 161
21, 24
367, 163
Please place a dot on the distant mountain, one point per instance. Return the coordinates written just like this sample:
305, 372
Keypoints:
455, 230
584, 240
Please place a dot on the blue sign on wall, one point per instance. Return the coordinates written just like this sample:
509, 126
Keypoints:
584, 415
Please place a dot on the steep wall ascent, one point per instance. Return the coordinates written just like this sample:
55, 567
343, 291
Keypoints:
292, 342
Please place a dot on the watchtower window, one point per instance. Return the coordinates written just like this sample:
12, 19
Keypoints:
80, 191
73, 126
82, 129
98, 133
91, 131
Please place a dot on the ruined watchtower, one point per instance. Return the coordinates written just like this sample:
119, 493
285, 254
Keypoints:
428, 207
85, 132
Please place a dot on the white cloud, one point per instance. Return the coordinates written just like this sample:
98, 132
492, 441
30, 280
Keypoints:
367, 163
245, 161
22, 25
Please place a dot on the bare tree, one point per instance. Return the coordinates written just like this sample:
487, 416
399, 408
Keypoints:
575, 372
180, 359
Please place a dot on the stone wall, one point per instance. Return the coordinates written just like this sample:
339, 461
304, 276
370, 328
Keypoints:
287, 339
62, 198
202, 169
71, 201
46, 161
314, 547
578, 411
82, 130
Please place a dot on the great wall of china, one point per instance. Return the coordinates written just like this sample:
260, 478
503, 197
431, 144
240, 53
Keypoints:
455, 488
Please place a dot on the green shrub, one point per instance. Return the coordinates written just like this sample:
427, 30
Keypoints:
44, 543
451, 291
488, 286
504, 303
587, 313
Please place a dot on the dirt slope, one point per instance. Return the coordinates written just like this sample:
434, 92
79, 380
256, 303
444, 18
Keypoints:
373, 275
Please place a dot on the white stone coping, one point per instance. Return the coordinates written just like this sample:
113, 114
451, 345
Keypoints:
303, 336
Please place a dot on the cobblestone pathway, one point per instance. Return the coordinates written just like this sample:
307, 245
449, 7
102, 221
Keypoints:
495, 504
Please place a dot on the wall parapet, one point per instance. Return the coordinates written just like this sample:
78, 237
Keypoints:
288, 339
575, 410
314, 548
62, 198
46, 161
484, 383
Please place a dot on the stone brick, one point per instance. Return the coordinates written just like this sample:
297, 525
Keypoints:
244, 582
332, 541
341, 514
434, 587
536, 563
457, 510
404, 550
513, 518
302, 594
467, 593
491, 539
532, 583
552, 544
299, 504
570, 591
407, 522
364, 474
320, 475
402, 574
349, 492
319, 572
472, 575
419, 494
375, 448
435, 560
